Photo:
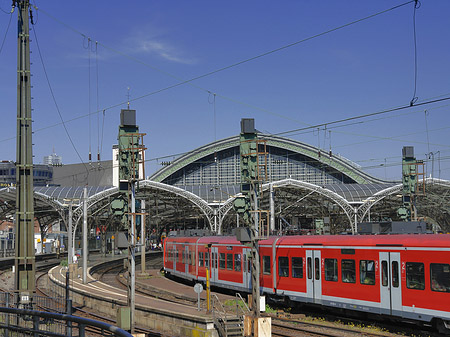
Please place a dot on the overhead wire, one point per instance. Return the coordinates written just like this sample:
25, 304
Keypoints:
6, 32
414, 98
55, 102
182, 82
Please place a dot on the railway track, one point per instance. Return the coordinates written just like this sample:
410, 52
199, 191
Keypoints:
53, 303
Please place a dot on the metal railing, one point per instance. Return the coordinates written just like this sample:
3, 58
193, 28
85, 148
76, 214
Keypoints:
24, 322
47, 316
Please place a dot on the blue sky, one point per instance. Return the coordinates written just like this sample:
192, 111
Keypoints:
151, 45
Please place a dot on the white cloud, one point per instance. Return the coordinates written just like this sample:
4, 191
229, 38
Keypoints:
161, 49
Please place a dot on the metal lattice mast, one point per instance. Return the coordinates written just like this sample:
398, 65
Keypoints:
253, 171
131, 169
24, 260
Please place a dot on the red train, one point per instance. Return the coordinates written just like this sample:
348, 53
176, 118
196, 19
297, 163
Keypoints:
405, 276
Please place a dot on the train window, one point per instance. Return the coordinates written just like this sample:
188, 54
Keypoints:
283, 266
415, 275
367, 272
183, 256
237, 262
193, 258
266, 264
395, 273
440, 277
213, 260
206, 259
200, 259
230, 261
384, 273
309, 268
331, 270
317, 267
348, 271
297, 267
222, 261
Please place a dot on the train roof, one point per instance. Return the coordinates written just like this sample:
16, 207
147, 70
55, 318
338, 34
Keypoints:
409, 240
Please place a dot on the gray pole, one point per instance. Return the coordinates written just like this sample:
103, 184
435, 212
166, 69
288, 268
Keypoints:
69, 236
132, 275
24, 278
143, 236
272, 208
85, 243
256, 269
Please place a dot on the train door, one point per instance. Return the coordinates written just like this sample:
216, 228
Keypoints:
391, 288
247, 268
175, 257
313, 276
214, 267
187, 260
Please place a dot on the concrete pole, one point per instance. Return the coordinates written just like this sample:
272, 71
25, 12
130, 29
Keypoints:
69, 236
143, 236
272, 208
85, 241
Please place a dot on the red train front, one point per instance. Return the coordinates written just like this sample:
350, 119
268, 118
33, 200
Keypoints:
406, 276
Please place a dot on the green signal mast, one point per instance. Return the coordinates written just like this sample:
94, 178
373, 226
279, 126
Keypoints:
24, 237
131, 170
253, 164
412, 169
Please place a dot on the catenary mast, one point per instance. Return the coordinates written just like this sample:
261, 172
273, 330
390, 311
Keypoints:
24, 239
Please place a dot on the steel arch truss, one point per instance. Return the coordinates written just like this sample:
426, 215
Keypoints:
148, 184
339, 200
377, 197
348, 209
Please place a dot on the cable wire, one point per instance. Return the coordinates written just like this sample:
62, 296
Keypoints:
182, 82
55, 102
414, 98
6, 32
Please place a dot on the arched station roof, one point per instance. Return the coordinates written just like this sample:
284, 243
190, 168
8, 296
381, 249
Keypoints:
285, 156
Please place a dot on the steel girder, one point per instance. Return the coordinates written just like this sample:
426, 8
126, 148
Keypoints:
148, 184
340, 201
377, 197
348, 209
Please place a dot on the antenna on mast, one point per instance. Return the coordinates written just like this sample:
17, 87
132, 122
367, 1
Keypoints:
128, 98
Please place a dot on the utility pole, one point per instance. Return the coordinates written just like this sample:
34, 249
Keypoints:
24, 238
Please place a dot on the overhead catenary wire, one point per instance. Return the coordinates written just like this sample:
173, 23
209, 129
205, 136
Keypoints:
55, 102
414, 98
183, 82
6, 32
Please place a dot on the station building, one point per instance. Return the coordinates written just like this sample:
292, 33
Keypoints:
306, 189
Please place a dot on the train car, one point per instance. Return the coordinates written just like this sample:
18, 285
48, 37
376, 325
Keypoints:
399, 276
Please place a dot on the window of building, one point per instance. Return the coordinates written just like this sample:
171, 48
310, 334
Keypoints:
297, 267
200, 259
415, 275
230, 261
237, 262
331, 270
283, 266
222, 261
266, 264
440, 277
348, 271
367, 272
